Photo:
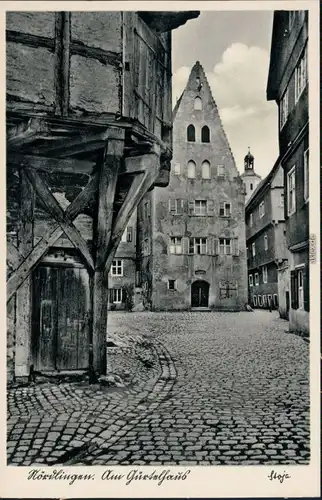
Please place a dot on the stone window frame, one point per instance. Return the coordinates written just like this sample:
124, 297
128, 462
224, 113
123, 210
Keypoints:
199, 101
176, 206
205, 134
256, 279
261, 209
191, 133
265, 242
221, 170
291, 194
255, 300
176, 243
117, 295
205, 163
176, 169
259, 297
253, 249
174, 285
191, 163
264, 300
117, 267
223, 212
200, 208
251, 280
225, 248
198, 242
251, 220
301, 72
306, 170
284, 108
265, 274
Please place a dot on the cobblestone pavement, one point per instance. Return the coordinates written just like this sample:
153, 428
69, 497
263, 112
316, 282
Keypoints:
231, 388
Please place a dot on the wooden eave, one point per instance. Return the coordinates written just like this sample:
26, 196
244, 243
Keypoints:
72, 145
162, 22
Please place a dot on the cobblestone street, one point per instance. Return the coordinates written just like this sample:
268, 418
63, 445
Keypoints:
230, 388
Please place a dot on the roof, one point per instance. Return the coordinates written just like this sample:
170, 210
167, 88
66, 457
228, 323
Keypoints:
197, 67
250, 173
263, 184
162, 21
271, 81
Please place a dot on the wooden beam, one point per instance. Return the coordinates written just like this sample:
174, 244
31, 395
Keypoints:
49, 239
79, 144
134, 165
14, 257
24, 301
140, 185
98, 343
51, 165
107, 185
25, 132
56, 211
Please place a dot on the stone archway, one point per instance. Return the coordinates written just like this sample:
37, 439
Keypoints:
200, 294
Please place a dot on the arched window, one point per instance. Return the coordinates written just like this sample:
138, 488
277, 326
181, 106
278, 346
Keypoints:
198, 103
191, 134
205, 169
205, 134
191, 169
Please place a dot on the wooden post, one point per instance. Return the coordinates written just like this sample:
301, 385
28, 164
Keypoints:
110, 166
24, 302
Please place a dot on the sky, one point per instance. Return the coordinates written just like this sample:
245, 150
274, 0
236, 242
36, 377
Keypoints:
233, 48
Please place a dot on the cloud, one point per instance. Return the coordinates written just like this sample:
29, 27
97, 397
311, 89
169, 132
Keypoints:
238, 84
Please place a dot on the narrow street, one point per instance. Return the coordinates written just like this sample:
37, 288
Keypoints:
230, 388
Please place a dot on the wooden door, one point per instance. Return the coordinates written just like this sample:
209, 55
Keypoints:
61, 305
200, 294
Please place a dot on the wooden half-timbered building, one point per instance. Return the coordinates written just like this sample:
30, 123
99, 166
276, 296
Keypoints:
89, 132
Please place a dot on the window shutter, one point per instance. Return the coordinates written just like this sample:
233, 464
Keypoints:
294, 290
210, 245
235, 246
185, 206
210, 207
216, 246
124, 294
111, 295
191, 207
172, 206
306, 288
185, 245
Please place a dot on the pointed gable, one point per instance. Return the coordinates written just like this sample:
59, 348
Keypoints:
196, 106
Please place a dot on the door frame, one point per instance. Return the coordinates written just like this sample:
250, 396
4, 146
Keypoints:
68, 259
199, 283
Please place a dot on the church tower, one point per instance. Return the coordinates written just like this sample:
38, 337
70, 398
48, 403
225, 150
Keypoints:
249, 177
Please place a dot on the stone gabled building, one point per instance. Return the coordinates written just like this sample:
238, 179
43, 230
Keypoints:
191, 235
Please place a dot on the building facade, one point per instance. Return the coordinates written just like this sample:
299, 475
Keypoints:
86, 139
249, 176
192, 235
122, 273
266, 241
288, 86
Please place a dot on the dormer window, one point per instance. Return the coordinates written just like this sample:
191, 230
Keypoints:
198, 104
191, 133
